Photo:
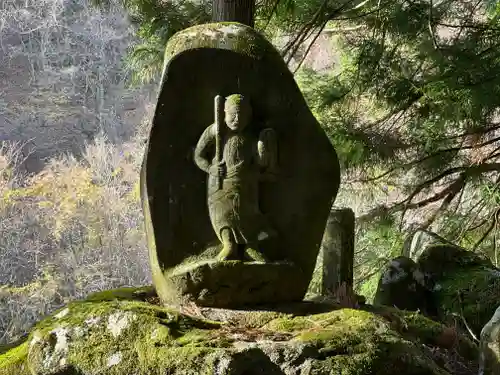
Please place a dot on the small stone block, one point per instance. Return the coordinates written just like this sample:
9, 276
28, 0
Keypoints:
237, 283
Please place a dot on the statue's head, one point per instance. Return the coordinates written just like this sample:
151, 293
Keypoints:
238, 111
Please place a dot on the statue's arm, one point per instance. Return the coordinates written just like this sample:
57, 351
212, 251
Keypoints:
201, 153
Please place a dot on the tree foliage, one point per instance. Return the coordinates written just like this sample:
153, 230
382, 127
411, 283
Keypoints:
432, 70
417, 111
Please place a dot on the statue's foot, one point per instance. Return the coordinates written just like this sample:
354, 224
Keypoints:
229, 253
255, 255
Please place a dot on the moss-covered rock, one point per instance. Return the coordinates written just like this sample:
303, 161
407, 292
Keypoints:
465, 284
439, 260
120, 336
146, 293
404, 285
14, 361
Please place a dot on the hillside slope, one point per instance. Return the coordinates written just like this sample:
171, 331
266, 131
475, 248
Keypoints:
62, 76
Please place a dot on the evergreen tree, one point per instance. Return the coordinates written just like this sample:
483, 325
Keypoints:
157, 21
415, 109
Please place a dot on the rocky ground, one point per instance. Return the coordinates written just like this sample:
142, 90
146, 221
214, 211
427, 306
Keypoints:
440, 304
127, 332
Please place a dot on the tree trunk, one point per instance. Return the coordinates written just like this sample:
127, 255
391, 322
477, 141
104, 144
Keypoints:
241, 11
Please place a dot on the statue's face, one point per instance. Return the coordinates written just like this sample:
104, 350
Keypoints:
236, 116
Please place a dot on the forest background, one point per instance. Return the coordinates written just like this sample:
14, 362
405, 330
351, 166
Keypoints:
407, 90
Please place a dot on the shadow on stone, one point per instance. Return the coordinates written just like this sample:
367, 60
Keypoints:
405, 286
249, 362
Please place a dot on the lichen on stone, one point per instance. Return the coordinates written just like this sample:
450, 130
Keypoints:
114, 359
226, 35
118, 322
62, 313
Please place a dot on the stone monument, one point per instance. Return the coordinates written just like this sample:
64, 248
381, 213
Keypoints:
337, 251
238, 177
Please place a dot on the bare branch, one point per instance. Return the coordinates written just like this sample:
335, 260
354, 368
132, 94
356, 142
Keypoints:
454, 189
487, 232
406, 204
427, 157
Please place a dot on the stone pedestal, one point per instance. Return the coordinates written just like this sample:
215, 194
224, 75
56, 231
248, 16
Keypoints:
237, 283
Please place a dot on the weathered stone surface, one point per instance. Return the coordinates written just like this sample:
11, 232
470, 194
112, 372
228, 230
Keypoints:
223, 59
235, 161
236, 284
439, 260
403, 285
464, 284
489, 356
120, 336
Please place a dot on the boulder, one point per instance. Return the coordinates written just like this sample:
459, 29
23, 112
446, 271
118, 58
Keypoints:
465, 285
112, 333
404, 285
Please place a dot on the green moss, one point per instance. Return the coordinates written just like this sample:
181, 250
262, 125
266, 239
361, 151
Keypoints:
257, 319
202, 338
153, 340
349, 339
350, 317
4, 348
437, 260
418, 328
467, 284
357, 342
387, 357
235, 100
242, 39
288, 324
358, 337
13, 362
346, 329
123, 294
479, 288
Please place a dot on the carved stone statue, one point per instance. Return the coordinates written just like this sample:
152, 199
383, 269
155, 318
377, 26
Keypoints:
236, 161
234, 211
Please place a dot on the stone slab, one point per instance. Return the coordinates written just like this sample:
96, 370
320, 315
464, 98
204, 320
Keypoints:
238, 284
